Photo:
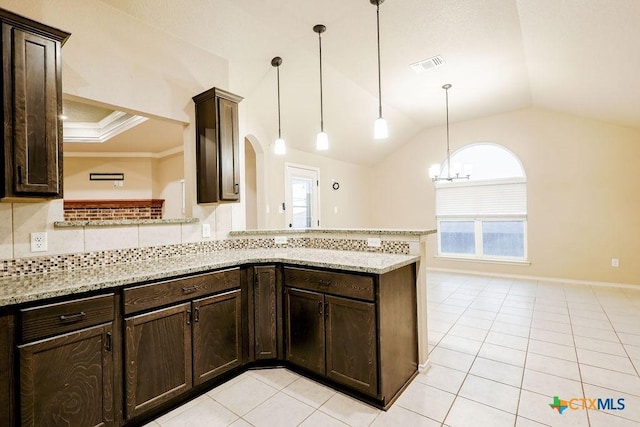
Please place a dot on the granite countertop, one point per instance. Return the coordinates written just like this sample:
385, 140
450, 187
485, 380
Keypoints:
371, 231
17, 290
116, 222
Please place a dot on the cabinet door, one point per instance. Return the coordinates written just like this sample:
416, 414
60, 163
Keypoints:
229, 150
157, 357
351, 343
304, 314
217, 338
265, 313
68, 379
36, 130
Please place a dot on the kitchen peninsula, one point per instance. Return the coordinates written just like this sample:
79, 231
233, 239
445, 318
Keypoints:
348, 318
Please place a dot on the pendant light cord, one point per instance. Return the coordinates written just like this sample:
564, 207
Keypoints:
379, 78
446, 91
321, 109
279, 128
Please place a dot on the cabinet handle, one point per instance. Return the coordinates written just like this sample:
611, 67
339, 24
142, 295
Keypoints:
190, 289
326, 309
237, 188
320, 308
324, 282
188, 317
70, 318
109, 341
196, 314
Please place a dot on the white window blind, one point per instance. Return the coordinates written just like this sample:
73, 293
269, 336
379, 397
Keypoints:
480, 199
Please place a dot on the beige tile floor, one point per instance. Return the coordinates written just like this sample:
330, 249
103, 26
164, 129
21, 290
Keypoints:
500, 349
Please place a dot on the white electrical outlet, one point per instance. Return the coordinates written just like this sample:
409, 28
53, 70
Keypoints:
280, 240
39, 242
374, 242
615, 262
206, 230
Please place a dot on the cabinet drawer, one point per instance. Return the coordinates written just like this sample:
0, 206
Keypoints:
53, 319
144, 297
343, 284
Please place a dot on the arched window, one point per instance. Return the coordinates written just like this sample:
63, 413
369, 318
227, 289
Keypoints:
484, 217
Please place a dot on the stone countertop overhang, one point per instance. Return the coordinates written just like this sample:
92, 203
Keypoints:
35, 287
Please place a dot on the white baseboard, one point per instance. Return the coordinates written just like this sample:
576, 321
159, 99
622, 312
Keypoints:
536, 278
422, 368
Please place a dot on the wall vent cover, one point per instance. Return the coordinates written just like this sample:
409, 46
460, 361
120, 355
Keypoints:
427, 64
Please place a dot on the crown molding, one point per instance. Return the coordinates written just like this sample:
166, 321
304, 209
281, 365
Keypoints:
99, 132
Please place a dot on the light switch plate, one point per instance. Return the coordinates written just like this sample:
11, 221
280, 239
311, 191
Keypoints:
206, 230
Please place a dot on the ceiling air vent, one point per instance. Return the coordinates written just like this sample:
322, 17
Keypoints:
427, 64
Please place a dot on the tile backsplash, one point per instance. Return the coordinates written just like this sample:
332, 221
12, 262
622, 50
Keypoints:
52, 263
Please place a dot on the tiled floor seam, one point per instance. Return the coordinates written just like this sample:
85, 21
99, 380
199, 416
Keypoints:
457, 394
524, 366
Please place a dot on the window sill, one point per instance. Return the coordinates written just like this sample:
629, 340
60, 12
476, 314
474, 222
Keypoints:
484, 260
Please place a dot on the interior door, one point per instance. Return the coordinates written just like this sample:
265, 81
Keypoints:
302, 198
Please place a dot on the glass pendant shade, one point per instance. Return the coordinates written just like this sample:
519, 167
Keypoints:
322, 141
380, 129
280, 147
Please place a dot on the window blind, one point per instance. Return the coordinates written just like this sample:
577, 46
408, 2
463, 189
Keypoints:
481, 199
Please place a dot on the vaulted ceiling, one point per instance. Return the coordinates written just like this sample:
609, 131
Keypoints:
574, 56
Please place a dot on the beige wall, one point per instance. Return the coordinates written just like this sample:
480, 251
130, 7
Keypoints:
137, 184
169, 172
582, 192
352, 200
250, 186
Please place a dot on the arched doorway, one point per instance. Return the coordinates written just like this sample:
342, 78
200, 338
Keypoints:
251, 186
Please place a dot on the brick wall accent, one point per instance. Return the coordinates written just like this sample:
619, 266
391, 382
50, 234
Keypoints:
99, 210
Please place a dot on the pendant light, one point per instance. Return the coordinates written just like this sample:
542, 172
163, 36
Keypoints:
380, 129
280, 147
455, 171
322, 139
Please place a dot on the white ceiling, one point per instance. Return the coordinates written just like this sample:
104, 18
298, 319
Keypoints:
574, 56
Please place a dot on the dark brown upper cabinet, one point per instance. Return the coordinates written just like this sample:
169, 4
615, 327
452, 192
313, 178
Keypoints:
217, 146
32, 103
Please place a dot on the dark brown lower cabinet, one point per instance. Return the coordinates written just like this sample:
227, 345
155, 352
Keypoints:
157, 357
265, 313
358, 331
351, 343
217, 335
68, 379
168, 351
304, 336
334, 337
